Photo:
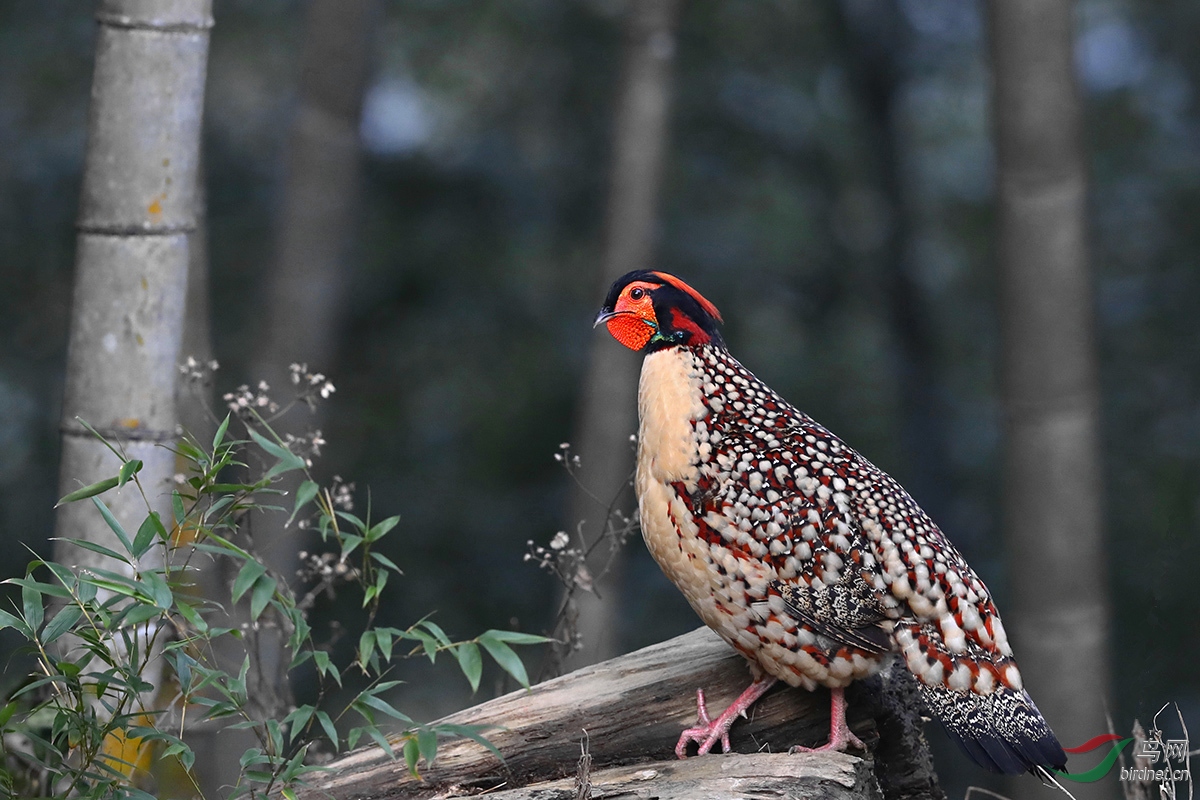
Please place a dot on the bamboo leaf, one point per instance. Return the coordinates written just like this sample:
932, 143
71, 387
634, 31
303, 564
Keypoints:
427, 743
506, 657
380, 529
113, 524
470, 661
328, 726
31, 603
412, 754
264, 590
304, 495
128, 470
220, 434
247, 576
515, 637
152, 526
63, 621
90, 490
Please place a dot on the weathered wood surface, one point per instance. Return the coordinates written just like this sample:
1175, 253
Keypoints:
633, 709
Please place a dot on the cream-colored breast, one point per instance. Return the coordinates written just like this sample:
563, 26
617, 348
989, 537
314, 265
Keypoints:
669, 401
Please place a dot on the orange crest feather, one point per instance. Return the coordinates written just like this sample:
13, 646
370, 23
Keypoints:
679, 284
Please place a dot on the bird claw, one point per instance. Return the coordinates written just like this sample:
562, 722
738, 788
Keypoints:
707, 733
840, 735
839, 743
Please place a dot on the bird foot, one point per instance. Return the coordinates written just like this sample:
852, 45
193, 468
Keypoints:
839, 741
710, 731
707, 733
840, 735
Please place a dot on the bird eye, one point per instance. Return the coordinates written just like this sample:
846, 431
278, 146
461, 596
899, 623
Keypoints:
637, 293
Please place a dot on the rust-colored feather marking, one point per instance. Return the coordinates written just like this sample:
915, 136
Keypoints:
679, 284
811, 561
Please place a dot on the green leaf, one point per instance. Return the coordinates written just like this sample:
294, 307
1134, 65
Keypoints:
192, 615
288, 460
387, 562
298, 719
380, 529
380, 740
177, 508
428, 744
31, 602
113, 524
88, 491
472, 732
264, 590
95, 548
437, 631
304, 495
350, 541
328, 726
8, 620
515, 637
63, 621
375, 589
159, 593
412, 754
470, 661
358, 524
151, 526
247, 576
325, 665
220, 434
387, 708
383, 640
366, 646
128, 470
51, 589
506, 657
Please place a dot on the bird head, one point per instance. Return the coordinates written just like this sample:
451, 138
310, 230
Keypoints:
648, 311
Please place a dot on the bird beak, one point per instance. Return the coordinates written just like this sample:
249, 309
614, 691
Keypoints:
604, 316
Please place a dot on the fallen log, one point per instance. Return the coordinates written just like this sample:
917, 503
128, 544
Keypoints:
623, 718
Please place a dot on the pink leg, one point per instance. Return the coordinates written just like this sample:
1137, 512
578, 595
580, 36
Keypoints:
840, 736
709, 732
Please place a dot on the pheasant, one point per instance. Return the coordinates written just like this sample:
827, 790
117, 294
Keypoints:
804, 556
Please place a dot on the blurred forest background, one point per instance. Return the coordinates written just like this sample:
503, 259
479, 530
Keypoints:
813, 153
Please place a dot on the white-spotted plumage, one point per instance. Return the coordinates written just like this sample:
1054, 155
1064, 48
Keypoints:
803, 555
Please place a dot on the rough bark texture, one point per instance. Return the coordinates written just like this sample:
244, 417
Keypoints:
1058, 615
633, 709
608, 415
137, 210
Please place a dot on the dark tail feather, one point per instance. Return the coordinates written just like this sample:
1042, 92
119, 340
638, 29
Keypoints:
1001, 732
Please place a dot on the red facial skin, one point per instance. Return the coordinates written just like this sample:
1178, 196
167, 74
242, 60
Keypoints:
633, 321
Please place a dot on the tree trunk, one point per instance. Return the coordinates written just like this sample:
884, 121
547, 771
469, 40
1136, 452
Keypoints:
876, 40
1058, 614
627, 714
137, 211
303, 296
608, 414
320, 194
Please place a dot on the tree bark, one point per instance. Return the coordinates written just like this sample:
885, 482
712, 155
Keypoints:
628, 713
137, 211
1058, 614
608, 412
